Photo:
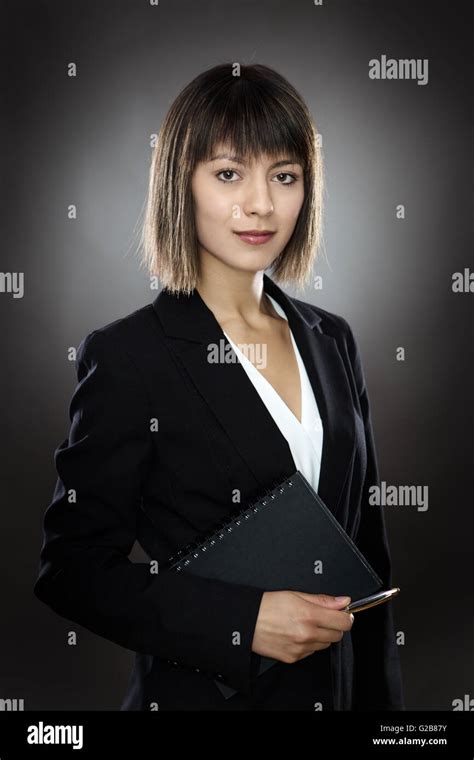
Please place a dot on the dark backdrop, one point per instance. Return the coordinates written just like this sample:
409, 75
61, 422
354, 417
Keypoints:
85, 141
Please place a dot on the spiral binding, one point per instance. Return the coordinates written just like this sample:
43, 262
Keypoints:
192, 550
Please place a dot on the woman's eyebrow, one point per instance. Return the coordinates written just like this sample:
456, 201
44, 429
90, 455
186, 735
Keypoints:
240, 160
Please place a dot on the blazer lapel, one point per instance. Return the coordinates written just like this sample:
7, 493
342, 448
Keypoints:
193, 333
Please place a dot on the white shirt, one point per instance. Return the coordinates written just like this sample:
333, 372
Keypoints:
305, 438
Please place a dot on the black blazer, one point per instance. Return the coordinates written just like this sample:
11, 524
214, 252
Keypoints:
160, 439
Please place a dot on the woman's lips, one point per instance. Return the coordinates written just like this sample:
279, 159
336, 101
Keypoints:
254, 238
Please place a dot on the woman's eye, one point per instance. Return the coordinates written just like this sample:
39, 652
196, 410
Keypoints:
285, 174
226, 171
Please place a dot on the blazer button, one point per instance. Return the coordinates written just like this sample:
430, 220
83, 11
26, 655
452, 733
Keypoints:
196, 670
219, 676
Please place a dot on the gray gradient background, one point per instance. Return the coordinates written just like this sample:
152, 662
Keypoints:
86, 141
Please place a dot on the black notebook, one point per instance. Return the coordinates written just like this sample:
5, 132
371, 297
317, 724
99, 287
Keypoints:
287, 540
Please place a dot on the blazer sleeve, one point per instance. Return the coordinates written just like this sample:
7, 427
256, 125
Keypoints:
85, 574
377, 673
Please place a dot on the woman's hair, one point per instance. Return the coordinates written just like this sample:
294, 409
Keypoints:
258, 111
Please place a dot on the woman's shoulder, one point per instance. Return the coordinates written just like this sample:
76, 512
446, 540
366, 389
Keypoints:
335, 326
329, 322
126, 336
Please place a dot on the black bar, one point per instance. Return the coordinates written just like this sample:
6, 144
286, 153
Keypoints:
146, 734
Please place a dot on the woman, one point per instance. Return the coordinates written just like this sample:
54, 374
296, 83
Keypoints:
164, 441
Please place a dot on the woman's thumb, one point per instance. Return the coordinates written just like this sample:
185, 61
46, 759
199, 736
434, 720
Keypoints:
326, 600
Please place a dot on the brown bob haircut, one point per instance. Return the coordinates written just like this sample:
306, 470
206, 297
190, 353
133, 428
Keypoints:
253, 110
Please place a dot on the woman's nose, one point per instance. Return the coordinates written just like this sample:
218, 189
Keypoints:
258, 198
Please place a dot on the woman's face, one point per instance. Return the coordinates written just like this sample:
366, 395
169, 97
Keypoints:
231, 197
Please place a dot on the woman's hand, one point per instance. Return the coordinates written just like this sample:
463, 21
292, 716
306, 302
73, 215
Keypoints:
292, 625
